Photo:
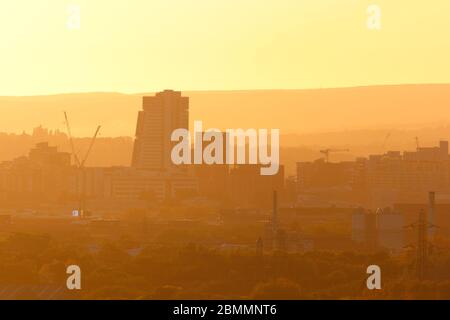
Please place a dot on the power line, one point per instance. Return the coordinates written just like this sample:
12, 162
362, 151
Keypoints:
422, 250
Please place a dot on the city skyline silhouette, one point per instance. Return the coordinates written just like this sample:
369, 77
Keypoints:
234, 151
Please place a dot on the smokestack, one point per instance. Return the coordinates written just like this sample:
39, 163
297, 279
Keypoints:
431, 213
275, 212
443, 145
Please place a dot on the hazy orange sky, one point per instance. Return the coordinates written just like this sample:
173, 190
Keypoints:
149, 45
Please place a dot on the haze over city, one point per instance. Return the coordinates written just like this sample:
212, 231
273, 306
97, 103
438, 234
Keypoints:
224, 150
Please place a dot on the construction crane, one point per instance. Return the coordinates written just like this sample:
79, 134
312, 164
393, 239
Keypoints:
327, 152
386, 140
80, 166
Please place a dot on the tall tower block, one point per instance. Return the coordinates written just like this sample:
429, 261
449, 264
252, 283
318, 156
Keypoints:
161, 115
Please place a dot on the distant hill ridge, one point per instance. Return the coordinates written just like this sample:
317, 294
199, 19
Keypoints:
293, 111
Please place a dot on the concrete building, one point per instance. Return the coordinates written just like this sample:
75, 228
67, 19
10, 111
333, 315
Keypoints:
320, 174
364, 229
161, 115
390, 225
250, 189
41, 176
377, 180
153, 174
213, 179
395, 177
133, 184
321, 183
383, 229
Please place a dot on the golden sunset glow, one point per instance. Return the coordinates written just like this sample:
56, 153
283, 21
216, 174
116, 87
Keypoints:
141, 45
225, 155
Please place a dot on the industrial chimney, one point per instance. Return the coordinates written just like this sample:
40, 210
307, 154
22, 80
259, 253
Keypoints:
431, 213
275, 213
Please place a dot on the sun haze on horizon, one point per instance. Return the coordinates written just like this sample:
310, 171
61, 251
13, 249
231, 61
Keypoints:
143, 46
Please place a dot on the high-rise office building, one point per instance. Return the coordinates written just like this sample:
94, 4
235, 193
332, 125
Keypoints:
161, 115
